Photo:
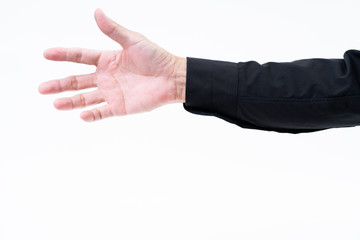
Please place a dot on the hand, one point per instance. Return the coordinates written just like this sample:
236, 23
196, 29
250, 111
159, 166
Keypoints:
138, 78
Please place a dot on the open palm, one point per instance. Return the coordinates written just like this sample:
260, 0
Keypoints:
138, 78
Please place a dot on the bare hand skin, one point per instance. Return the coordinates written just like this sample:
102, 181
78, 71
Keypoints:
140, 77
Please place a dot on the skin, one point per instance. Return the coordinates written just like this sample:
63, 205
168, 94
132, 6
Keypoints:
138, 78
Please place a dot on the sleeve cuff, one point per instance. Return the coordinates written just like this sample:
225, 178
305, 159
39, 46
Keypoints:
211, 88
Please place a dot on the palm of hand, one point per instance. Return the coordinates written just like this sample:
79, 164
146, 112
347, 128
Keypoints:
135, 79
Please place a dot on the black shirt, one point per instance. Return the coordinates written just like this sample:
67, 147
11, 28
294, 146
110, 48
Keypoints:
301, 96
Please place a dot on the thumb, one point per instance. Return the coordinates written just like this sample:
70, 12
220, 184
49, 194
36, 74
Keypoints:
116, 32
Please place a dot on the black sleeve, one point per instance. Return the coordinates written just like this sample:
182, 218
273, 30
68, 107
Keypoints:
301, 96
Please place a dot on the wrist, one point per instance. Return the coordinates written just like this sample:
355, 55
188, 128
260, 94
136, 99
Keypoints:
180, 79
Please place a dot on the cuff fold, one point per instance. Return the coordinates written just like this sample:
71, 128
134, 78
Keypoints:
211, 87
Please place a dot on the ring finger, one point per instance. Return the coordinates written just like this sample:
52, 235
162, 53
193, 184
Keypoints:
79, 101
70, 83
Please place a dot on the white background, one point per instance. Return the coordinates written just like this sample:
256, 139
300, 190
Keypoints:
169, 174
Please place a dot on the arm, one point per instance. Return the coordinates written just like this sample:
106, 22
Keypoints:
300, 96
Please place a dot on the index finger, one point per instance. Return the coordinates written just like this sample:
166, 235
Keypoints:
78, 55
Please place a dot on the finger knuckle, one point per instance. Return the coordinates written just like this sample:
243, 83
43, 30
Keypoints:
99, 114
82, 100
78, 55
72, 103
59, 86
74, 83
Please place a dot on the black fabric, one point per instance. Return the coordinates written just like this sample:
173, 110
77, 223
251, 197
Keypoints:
294, 97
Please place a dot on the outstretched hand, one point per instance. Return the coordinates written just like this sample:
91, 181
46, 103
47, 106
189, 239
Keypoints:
138, 78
